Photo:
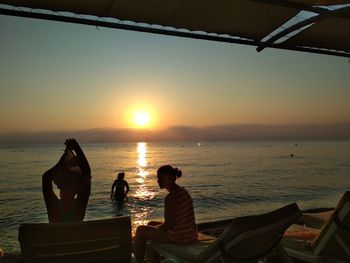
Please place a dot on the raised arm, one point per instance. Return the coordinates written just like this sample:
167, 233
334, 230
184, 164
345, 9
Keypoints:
85, 187
47, 189
83, 162
83, 198
51, 200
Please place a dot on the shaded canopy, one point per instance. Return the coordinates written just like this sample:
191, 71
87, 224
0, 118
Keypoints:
251, 22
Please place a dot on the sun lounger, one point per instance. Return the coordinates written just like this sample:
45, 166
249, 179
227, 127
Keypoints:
104, 240
247, 239
331, 244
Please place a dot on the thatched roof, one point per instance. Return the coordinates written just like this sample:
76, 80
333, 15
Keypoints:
262, 23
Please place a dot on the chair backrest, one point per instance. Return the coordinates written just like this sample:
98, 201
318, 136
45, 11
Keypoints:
250, 238
102, 240
334, 238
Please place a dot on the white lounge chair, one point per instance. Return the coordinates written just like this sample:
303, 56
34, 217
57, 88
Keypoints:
105, 240
247, 239
331, 244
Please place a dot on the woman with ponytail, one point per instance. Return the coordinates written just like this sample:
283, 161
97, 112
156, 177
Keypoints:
179, 221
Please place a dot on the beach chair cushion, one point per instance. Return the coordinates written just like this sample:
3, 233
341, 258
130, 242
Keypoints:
302, 233
102, 240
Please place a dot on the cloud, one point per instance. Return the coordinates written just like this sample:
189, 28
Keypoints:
340, 131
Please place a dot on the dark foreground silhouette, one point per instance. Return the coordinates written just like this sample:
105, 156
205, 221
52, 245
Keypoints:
72, 176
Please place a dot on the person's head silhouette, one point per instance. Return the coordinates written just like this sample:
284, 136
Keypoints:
121, 176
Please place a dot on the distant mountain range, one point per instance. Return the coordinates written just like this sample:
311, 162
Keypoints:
340, 131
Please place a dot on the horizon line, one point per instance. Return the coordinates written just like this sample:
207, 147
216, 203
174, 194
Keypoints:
237, 132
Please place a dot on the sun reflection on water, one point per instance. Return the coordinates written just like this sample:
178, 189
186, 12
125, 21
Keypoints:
142, 193
141, 154
140, 218
142, 173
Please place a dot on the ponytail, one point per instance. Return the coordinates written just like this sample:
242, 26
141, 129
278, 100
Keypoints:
168, 169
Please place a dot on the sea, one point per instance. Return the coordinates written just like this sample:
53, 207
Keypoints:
225, 179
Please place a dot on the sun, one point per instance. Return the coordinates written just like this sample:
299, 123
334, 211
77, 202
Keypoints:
142, 118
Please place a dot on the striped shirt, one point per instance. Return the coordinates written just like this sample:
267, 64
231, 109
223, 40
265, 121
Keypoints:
184, 227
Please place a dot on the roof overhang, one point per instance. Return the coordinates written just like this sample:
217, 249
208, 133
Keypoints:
250, 22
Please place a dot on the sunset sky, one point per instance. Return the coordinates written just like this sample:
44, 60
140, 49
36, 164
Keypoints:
60, 76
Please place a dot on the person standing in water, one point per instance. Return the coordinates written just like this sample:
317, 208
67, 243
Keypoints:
72, 175
179, 224
120, 188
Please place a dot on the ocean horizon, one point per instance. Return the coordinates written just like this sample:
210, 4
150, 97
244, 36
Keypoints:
181, 133
226, 179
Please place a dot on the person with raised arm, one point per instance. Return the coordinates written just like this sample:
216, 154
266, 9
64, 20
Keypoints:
72, 175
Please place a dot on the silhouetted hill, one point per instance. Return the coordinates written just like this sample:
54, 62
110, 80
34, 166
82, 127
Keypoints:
339, 131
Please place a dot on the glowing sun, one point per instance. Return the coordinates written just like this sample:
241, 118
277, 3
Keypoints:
142, 119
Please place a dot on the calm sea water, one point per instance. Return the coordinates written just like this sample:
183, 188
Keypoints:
225, 179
